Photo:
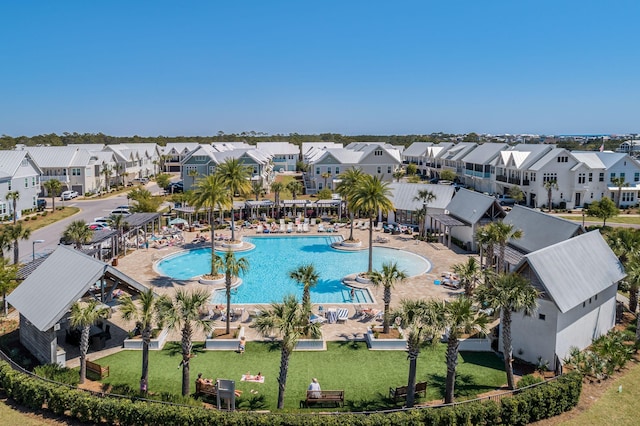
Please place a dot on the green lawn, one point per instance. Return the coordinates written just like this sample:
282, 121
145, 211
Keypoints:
634, 220
364, 375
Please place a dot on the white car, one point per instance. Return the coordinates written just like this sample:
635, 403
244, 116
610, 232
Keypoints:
68, 195
121, 212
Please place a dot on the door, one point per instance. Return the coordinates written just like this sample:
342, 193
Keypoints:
578, 200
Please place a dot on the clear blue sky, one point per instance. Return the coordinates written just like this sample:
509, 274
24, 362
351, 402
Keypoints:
352, 67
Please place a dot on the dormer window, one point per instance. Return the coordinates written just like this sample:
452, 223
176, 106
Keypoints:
377, 152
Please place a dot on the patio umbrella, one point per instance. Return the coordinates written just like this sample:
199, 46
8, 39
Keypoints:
178, 221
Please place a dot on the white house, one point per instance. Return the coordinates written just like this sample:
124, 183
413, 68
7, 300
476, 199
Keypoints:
479, 164
403, 196
578, 280
415, 154
18, 173
173, 154
284, 155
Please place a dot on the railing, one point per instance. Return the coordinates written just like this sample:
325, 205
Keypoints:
515, 181
501, 178
61, 178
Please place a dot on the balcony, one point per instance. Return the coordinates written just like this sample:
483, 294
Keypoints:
501, 178
514, 180
61, 178
525, 182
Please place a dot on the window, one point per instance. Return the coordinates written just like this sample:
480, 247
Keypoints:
212, 169
547, 177
329, 170
612, 177
200, 157
379, 169
75, 172
377, 152
320, 186
581, 178
388, 169
337, 170
542, 317
34, 201
563, 159
33, 181
622, 175
601, 177
636, 177
3, 208
9, 186
590, 177
317, 170
26, 182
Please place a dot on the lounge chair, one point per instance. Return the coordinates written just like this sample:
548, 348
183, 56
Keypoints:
365, 225
238, 313
305, 227
259, 229
321, 228
378, 226
369, 314
289, 228
313, 319
343, 314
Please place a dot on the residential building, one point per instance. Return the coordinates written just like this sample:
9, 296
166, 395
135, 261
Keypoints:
284, 155
18, 173
406, 202
415, 154
479, 165
173, 154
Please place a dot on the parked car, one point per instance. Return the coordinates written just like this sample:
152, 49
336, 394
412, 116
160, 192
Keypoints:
41, 204
141, 181
122, 212
98, 226
68, 195
505, 200
104, 220
174, 187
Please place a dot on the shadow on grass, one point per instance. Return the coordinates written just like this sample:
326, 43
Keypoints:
351, 344
175, 348
466, 385
378, 402
483, 359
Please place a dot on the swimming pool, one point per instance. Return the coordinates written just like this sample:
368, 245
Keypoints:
275, 257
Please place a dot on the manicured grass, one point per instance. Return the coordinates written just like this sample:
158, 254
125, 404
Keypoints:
11, 416
364, 375
634, 220
50, 218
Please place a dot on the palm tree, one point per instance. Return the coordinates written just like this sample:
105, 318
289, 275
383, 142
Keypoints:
625, 243
459, 318
549, 186
389, 275
79, 233
256, 188
325, 176
619, 182
15, 233
84, 315
192, 173
118, 168
485, 237
8, 281
147, 314
308, 277
277, 188
426, 197
398, 174
107, 172
509, 293
295, 188
419, 322
183, 313
370, 196
290, 321
633, 281
210, 192
232, 268
14, 196
119, 223
235, 176
502, 233
53, 188
469, 274
348, 181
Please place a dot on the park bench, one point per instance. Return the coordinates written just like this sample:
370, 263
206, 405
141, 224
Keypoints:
401, 391
335, 397
208, 389
97, 369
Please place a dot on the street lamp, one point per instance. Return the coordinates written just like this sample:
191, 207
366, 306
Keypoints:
33, 248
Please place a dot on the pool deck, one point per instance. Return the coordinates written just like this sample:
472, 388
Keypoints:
138, 265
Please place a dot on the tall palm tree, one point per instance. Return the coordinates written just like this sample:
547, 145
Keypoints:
387, 277
502, 233
148, 315
308, 277
550, 186
193, 174
419, 322
486, 238
371, 195
118, 168
83, 316
210, 192
107, 172
295, 188
13, 196
348, 181
469, 274
426, 197
619, 182
277, 188
459, 318
235, 177
183, 313
232, 268
119, 223
625, 243
79, 233
633, 281
8, 281
15, 233
290, 321
509, 293
325, 176
256, 188
53, 188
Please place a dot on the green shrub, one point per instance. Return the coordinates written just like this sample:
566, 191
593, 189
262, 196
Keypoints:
528, 380
57, 373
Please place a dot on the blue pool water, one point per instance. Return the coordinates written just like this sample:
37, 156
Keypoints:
275, 257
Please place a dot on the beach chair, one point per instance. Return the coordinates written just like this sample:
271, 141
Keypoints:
283, 227
299, 228
259, 229
321, 228
365, 225
305, 227
343, 314
316, 319
378, 226
289, 227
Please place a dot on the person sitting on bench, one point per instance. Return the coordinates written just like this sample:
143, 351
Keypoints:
315, 387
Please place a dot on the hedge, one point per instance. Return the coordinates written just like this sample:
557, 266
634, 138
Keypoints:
536, 403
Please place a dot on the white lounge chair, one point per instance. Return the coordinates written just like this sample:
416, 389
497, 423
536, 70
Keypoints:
289, 227
313, 319
259, 229
305, 227
378, 226
343, 314
299, 228
321, 228
365, 225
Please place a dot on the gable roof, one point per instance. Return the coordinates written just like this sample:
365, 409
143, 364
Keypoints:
179, 147
485, 153
403, 195
11, 160
278, 148
49, 291
459, 150
539, 230
416, 149
471, 206
574, 270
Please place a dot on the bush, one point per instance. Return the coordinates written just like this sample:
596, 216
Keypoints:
57, 373
528, 380
44, 213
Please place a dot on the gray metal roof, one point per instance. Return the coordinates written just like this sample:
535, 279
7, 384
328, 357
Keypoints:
403, 194
539, 229
139, 219
416, 149
471, 206
57, 283
485, 153
574, 270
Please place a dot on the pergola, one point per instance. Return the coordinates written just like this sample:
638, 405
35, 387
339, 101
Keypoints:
443, 223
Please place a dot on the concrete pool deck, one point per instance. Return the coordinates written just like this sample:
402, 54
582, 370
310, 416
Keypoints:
138, 265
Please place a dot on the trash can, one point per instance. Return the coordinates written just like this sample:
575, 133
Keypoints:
114, 262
